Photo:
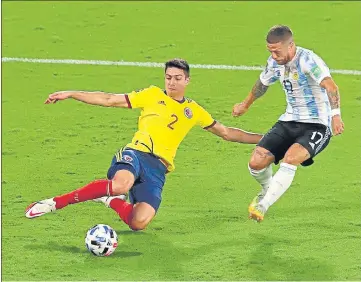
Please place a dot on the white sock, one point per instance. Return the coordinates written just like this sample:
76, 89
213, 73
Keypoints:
281, 181
263, 177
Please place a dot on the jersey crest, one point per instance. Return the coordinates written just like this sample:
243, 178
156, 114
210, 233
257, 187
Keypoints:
188, 113
295, 76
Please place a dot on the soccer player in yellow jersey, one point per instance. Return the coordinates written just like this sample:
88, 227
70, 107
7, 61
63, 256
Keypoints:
140, 167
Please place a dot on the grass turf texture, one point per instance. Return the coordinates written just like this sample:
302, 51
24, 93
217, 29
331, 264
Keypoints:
201, 231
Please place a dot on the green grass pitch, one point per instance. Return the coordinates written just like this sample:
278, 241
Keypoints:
201, 231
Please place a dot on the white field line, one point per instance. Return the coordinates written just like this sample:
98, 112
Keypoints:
149, 64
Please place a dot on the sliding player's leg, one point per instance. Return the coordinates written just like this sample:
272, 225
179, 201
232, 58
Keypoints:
125, 174
145, 195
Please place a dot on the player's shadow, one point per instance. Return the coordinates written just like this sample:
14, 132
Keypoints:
55, 246
159, 252
130, 233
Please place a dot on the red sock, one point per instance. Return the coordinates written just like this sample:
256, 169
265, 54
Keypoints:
122, 208
93, 190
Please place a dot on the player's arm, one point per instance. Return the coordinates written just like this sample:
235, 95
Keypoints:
266, 78
93, 98
334, 98
316, 68
258, 90
234, 134
332, 92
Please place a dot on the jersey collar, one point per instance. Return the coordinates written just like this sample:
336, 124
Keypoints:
179, 101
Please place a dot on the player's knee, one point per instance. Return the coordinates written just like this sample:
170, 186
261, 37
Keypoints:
142, 216
121, 186
138, 223
260, 159
291, 159
256, 164
122, 181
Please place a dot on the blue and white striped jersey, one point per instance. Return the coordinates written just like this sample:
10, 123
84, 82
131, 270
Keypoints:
307, 101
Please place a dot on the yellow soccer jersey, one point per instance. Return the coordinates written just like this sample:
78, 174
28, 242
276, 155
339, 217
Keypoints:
164, 122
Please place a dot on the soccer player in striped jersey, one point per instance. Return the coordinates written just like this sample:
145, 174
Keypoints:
140, 167
304, 130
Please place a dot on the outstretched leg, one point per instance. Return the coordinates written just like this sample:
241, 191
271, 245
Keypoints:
99, 188
137, 216
145, 195
145, 200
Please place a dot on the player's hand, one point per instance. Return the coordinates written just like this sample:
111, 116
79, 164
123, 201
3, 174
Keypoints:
239, 109
57, 96
337, 125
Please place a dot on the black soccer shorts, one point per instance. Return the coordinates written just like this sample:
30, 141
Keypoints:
313, 136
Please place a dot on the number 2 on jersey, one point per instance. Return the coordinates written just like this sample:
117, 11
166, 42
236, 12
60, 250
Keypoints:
175, 119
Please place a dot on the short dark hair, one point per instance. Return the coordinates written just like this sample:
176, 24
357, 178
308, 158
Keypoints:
179, 64
278, 33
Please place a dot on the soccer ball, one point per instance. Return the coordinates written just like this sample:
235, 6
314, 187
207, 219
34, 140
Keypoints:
101, 240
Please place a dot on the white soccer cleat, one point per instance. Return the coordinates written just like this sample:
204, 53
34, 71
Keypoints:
40, 208
107, 199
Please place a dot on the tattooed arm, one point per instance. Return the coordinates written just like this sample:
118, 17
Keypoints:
332, 92
258, 90
334, 98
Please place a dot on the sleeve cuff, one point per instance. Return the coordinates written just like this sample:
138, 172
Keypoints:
264, 82
322, 78
128, 101
209, 126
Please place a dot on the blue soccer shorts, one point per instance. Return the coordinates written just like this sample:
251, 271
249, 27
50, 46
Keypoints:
149, 173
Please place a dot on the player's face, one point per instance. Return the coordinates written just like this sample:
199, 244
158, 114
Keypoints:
175, 81
280, 51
